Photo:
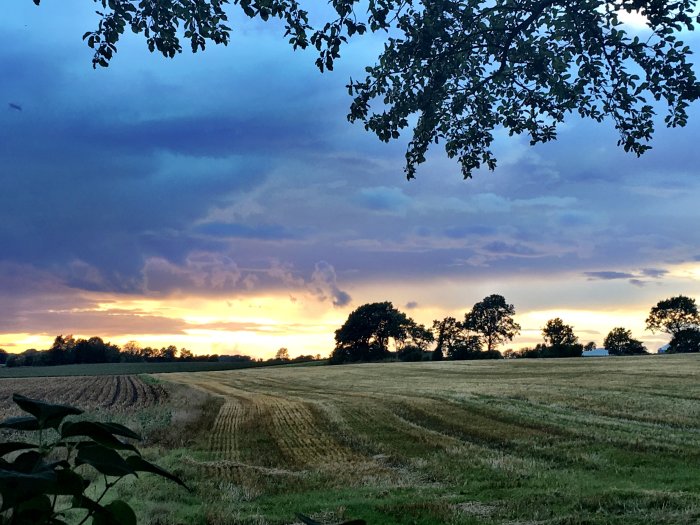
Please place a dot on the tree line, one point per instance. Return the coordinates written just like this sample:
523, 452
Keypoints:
370, 330
66, 350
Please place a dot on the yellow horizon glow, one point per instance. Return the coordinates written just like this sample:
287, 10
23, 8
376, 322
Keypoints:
259, 325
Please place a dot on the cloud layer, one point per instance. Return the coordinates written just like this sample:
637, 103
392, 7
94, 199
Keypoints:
234, 173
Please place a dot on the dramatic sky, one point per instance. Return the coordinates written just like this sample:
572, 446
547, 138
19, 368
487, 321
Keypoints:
221, 201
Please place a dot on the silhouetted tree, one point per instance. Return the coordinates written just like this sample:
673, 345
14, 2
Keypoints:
492, 319
417, 335
303, 358
436, 354
167, 354
3, 356
468, 347
282, 354
685, 341
366, 334
62, 351
410, 353
590, 346
186, 355
449, 333
560, 340
557, 333
95, 350
620, 342
131, 352
674, 315
528, 353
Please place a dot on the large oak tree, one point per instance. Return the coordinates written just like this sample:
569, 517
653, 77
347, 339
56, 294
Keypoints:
492, 319
367, 332
674, 315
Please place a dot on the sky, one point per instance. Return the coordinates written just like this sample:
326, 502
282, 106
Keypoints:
222, 202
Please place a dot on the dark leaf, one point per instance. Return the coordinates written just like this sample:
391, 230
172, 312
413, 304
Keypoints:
104, 460
48, 414
120, 430
68, 483
115, 513
96, 431
13, 446
35, 510
16, 487
141, 465
21, 423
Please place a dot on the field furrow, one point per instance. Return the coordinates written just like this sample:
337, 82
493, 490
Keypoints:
299, 435
89, 393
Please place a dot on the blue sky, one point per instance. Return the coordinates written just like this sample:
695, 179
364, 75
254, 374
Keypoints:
222, 201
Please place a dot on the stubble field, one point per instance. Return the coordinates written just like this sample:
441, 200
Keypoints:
613, 440
574, 441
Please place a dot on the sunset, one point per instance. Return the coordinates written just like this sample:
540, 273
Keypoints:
285, 262
221, 202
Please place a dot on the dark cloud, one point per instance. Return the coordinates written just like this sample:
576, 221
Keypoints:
636, 280
608, 275
654, 273
515, 249
410, 305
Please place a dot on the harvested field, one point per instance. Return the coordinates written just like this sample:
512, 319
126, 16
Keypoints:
116, 393
606, 441
558, 442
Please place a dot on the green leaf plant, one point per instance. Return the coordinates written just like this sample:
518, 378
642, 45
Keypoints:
44, 478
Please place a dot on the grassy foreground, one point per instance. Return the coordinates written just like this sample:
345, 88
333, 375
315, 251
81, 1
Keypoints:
575, 441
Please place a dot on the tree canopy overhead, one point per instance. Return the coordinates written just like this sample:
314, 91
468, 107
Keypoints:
457, 71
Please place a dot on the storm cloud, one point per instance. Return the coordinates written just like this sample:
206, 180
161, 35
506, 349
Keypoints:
235, 172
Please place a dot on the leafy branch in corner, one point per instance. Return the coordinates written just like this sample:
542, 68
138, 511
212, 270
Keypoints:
456, 71
42, 479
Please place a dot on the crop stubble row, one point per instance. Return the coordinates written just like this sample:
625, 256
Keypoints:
85, 392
